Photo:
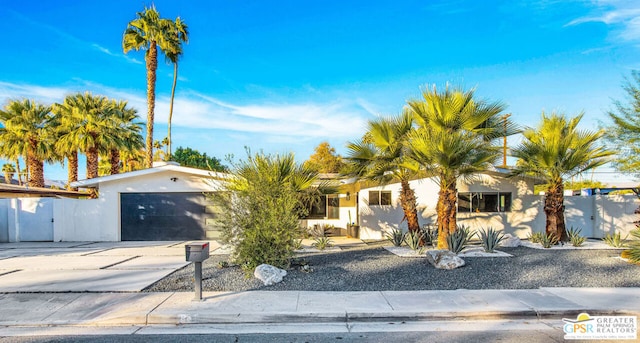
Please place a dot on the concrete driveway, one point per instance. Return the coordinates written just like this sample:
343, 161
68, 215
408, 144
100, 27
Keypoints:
88, 266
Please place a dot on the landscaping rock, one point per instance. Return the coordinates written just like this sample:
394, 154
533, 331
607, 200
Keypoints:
269, 274
444, 259
510, 241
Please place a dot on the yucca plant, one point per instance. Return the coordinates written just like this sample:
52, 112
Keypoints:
491, 238
297, 244
614, 240
633, 254
536, 237
396, 237
413, 239
549, 240
575, 238
459, 239
322, 243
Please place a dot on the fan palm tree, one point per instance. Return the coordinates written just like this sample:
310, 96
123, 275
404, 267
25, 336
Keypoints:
382, 155
8, 169
85, 118
181, 34
554, 151
27, 130
149, 32
126, 133
454, 139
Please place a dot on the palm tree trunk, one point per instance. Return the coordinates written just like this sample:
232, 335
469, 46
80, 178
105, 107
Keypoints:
36, 169
446, 210
554, 211
92, 163
408, 202
152, 66
72, 171
18, 171
114, 160
173, 93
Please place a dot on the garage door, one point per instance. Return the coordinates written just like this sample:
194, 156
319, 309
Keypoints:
167, 216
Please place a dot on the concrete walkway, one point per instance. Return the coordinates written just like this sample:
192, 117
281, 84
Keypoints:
177, 308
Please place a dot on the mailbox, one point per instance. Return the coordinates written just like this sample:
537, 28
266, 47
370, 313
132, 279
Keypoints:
197, 252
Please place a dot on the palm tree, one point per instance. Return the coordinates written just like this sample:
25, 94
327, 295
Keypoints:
454, 139
148, 32
85, 120
8, 169
554, 151
27, 130
126, 133
382, 155
181, 34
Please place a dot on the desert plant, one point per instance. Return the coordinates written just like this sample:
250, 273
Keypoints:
491, 238
413, 239
536, 237
575, 238
396, 237
430, 234
614, 240
633, 254
549, 240
321, 243
459, 239
223, 264
297, 244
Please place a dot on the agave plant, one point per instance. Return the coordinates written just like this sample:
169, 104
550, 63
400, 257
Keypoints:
536, 237
633, 254
491, 238
413, 239
322, 243
614, 240
459, 239
396, 237
575, 238
430, 234
549, 240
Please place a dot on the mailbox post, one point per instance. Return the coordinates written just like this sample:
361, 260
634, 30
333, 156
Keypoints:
197, 253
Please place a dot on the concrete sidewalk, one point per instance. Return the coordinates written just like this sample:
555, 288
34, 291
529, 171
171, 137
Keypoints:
178, 308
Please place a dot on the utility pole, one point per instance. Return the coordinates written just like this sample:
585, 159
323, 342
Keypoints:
504, 146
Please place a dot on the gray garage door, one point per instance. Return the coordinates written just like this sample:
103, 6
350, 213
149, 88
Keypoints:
167, 217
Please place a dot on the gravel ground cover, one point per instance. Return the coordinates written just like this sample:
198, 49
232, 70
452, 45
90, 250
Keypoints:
372, 268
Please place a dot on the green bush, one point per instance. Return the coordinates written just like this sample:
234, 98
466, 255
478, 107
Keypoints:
459, 239
396, 237
633, 253
491, 238
261, 206
575, 238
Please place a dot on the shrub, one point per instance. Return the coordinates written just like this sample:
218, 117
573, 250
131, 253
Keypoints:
633, 254
536, 237
491, 238
396, 237
575, 238
549, 240
261, 205
614, 240
297, 244
413, 239
321, 243
459, 239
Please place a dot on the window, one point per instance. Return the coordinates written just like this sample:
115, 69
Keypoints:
484, 202
379, 198
328, 207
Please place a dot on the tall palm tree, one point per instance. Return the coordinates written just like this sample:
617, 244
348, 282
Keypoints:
8, 169
554, 151
382, 155
181, 34
455, 138
149, 32
26, 129
126, 133
85, 119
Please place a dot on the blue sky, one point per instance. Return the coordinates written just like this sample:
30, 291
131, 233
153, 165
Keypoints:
284, 76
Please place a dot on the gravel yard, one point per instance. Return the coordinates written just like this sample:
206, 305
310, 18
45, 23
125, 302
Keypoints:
372, 268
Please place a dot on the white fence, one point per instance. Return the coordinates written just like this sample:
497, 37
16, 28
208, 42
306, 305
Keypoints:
47, 219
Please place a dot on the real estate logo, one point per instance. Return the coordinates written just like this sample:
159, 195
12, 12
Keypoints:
601, 327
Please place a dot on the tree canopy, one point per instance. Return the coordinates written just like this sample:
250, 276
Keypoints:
193, 158
324, 159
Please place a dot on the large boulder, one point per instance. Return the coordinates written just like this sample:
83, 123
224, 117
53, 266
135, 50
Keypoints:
444, 259
510, 241
269, 274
